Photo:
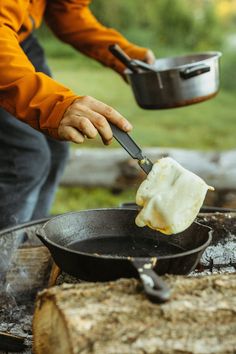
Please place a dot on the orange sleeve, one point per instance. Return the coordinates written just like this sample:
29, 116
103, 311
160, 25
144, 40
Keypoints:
32, 97
73, 23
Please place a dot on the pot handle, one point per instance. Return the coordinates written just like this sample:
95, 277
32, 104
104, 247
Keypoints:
155, 288
194, 70
123, 57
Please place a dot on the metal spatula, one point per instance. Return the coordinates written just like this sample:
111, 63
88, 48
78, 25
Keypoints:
125, 140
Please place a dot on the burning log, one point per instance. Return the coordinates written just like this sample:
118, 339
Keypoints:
116, 317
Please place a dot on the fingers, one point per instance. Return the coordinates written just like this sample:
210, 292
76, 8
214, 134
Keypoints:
87, 117
70, 134
100, 114
91, 125
102, 126
82, 124
150, 57
109, 113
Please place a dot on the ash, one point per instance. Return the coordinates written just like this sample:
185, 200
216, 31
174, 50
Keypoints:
220, 255
16, 319
16, 305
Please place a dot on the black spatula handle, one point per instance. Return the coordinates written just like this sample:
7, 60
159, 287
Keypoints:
125, 140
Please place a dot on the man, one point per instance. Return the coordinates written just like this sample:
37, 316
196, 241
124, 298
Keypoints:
31, 163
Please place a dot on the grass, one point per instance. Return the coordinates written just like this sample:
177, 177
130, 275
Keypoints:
74, 199
209, 125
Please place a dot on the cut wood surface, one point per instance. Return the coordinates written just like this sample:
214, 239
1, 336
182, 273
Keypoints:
116, 318
113, 168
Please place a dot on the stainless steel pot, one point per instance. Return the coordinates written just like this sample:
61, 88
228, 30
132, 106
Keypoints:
177, 81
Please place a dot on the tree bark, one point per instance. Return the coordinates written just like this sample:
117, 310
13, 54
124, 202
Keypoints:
117, 318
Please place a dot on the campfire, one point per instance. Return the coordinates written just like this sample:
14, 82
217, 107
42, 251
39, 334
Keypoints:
116, 317
25, 267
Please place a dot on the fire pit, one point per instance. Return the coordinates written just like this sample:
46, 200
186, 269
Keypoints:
26, 265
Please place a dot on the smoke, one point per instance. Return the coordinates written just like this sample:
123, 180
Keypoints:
16, 310
9, 245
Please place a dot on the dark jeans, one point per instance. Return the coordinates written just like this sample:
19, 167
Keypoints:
31, 164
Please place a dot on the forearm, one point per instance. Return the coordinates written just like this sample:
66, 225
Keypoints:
30, 96
73, 23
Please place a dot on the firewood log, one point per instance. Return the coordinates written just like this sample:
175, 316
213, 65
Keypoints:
54, 274
29, 270
117, 318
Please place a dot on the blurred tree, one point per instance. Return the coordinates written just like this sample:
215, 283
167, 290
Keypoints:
181, 23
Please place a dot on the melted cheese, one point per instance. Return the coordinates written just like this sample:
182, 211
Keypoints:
170, 197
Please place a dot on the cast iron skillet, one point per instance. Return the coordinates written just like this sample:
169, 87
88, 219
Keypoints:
105, 244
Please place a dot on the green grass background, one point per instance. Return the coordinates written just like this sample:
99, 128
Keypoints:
210, 125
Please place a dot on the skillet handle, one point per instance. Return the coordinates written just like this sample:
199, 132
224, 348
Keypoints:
155, 288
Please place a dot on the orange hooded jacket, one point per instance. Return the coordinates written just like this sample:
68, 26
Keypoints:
32, 96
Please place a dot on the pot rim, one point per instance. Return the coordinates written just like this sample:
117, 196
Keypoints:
212, 55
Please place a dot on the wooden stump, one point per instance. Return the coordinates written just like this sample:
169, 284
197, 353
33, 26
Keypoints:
117, 318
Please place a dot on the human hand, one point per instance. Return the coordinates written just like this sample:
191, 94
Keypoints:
87, 117
149, 57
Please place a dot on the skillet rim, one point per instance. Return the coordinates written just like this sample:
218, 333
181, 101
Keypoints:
66, 249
